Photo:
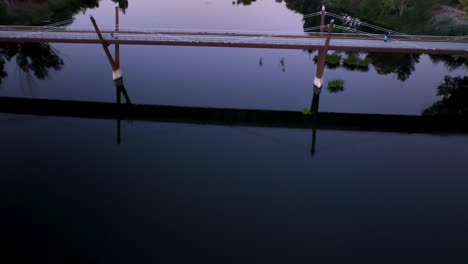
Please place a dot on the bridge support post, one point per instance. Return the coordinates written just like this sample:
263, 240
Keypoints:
322, 56
115, 68
322, 20
314, 111
116, 71
117, 46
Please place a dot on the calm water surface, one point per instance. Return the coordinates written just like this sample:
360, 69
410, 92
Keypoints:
174, 192
218, 77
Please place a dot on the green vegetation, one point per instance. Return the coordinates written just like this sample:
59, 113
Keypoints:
45, 12
336, 86
403, 65
464, 4
306, 111
354, 62
244, 2
32, 58
452, 62
332, 61
408, 16
38, 59
454, 92
3, 73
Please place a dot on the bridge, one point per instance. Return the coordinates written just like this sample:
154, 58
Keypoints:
354, 40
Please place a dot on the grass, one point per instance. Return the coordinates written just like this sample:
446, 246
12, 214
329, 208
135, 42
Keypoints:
336, 86
332, 61
353, 62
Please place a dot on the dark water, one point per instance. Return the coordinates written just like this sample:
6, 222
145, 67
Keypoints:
179, 190
173, 192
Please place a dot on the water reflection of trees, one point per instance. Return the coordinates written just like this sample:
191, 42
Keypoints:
244, 2
409, 16
452, 62
123, 4
403, 65
15, 12
32, 58
454, 92
38, 58
3, 73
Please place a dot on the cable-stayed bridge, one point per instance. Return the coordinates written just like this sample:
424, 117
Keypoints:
350, 38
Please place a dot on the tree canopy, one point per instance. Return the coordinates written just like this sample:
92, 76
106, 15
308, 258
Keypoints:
454, 92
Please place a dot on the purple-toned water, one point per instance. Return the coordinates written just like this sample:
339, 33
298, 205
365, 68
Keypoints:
175, 192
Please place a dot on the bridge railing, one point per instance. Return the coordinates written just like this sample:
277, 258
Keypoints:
395, 34
355, 34
150, 30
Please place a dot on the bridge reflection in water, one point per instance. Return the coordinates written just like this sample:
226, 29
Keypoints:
355, 40
237, 117
224, 116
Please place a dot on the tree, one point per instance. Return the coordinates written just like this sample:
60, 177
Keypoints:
35, 58
464, 4
403, 65
399, 5
3, 73
245, 2
452, 62
38, 58
402, 5
123, 4
454, 92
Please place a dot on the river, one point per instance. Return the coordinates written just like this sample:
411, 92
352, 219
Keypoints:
174, 192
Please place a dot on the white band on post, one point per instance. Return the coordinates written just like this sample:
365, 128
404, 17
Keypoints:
318, 82
117, 74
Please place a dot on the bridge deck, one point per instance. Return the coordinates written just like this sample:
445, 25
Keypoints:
248, 40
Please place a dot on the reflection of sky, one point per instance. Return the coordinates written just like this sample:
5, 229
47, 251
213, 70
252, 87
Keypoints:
199, 14
221, 77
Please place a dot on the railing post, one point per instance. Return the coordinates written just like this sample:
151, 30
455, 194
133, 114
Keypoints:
322, 56
322, 19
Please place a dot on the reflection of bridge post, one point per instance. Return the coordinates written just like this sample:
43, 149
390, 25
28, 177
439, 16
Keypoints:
322, 20
314, 111
322, 56
318, 81
120, 89
118, 84
116, 71
115, 68
117, 46
119, 120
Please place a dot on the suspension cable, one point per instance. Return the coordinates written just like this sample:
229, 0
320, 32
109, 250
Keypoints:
313, 14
